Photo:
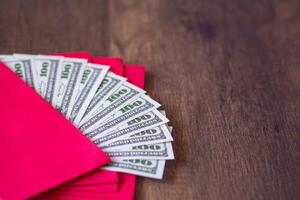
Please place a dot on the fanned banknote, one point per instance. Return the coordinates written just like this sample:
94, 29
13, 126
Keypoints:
129, 111
140, 167
69, 79
90, 81
125, 93
160, 151
108, 86
119, 117
23, 67
141, 123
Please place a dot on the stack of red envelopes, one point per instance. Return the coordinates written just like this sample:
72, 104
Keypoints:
44, 156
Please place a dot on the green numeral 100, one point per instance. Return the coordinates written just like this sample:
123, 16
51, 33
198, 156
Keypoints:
85, 75
146, 147
139, 119
117, 95
66, 71
18, 70
139, 161
131, 106
146, 132
44, 69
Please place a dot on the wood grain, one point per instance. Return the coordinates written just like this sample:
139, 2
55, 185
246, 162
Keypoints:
41, 26
227, 73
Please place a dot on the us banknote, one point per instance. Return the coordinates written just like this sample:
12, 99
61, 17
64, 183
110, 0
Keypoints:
109, 85
126, 93
23, 67
145, 151
5, 56
69, 81
90, 81
46, 76
153, 135
140, 167
134, 109
141, 123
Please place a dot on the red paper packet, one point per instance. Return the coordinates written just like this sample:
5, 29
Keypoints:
37, 144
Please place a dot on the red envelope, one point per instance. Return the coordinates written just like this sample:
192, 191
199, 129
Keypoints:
135, 74
126, 192
94, 190
79, 191
106, 187
98, 180
96, 177
39, 148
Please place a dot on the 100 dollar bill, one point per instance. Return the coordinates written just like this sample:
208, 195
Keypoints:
4, 56
140, 167
108, 86
141, 123
47, 69
23, 68
146, 151
153, 135
138, 107
90, 81
69, 80
126, 93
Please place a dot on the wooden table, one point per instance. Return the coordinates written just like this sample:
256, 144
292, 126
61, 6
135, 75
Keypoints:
227, 73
